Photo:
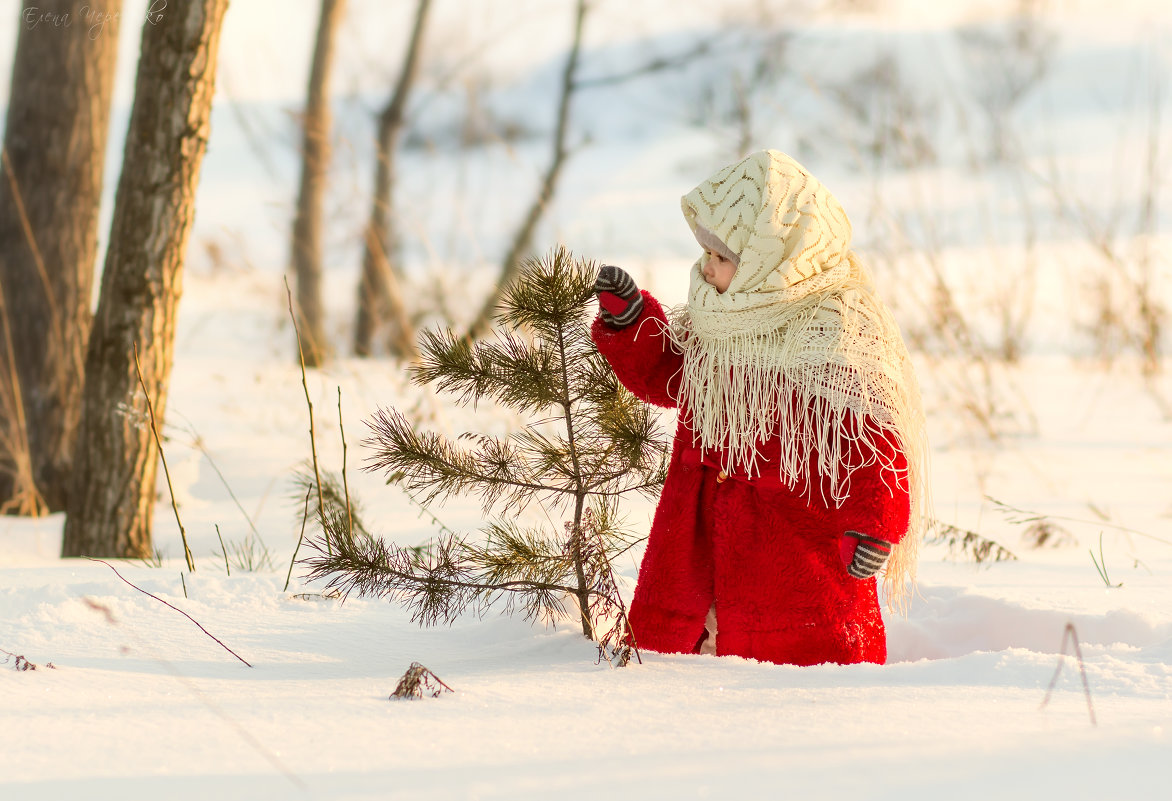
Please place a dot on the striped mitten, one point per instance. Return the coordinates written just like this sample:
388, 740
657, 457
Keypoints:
870, 554
619, 301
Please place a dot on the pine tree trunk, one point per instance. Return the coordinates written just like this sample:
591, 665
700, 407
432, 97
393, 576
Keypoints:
112, 495
379, 295
315, 159
580, 569
523, 239
50, 198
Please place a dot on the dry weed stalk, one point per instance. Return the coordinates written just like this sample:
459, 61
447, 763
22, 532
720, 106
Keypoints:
1044, 533
1005, 66
965, 365
345, 482
198, 443
617, 643
248, 555
1129, 315
223, 550
300, 538
309, 403
22, 664
963, 543
163, 458
1017, 515
417, 682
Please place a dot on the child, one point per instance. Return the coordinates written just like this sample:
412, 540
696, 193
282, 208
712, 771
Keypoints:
798, 458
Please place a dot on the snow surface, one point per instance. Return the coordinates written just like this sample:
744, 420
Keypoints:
141, 704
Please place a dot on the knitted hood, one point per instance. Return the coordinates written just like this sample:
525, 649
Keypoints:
782, 225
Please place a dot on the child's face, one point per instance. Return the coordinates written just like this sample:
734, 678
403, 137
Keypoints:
718, 270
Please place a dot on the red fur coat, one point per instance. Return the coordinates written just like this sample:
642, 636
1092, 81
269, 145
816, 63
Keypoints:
772, 558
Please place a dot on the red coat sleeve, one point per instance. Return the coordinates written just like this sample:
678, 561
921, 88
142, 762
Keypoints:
878, 501
641, 354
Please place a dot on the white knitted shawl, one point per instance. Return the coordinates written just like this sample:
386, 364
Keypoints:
799, 346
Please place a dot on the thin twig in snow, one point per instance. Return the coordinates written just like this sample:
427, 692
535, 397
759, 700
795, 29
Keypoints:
1069, 634
164, 603
304, 516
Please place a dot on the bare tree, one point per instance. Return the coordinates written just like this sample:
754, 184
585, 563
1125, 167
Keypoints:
50, 196
523, 239
315, 159
112, 495
379, 296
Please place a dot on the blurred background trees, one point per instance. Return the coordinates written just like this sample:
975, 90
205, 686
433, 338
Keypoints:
315, 159
112, 494
50, 196
380, 302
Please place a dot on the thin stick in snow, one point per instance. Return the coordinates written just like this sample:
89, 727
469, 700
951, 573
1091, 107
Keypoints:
164, 603
1069, 634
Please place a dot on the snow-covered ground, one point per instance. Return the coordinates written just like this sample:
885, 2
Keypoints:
141, 704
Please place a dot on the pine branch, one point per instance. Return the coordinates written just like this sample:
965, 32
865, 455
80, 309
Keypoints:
517, 569
548, 457
437, 586
549, 292
434, 466
592, 382
509, 370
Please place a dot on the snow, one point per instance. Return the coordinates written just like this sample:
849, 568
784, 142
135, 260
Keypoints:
140, 703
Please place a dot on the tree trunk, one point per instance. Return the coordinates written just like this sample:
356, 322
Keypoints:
523, 241
112, 495
315, 160
50, 196
379, 295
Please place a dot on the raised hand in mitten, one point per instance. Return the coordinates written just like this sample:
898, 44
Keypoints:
619, 301
869, 554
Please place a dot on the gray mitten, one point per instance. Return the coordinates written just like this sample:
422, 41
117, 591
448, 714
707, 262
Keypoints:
870, 555
619, 301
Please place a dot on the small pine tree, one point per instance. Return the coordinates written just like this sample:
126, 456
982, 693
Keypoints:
588, 444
